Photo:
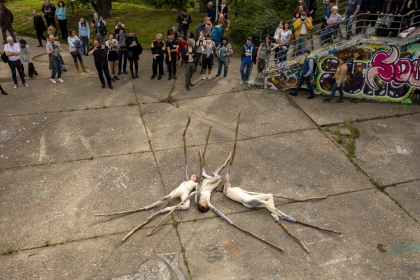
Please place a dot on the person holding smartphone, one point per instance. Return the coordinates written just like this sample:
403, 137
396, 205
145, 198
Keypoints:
188, 54
208, 47
199, 50
99, 55
172, 49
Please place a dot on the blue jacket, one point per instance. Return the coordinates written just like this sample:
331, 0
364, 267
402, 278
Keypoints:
61, 13
85, 30
216, 35
308, 66
198, 30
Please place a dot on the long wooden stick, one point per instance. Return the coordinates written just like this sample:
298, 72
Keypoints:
257, 237
294, 236
140, 226
298, 199
203, 155
236, 137
185, 151
318, 227
120, 213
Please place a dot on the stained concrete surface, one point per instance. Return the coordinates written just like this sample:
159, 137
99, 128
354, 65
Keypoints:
68, 151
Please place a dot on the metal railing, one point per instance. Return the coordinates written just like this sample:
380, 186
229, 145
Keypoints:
316, 40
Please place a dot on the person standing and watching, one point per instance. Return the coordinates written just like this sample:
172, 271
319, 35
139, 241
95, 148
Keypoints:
6, 21
49, 13
158, 52
302, 27
133, 53
305, 75
99, 56
76, 50
62, 19
340, 77
53, 50
184, 20
84, 34
224, 52
263, 51
122, 52
352, 10
25, 58
12, 51
39, 27
100, 27
248, 52
216, 35
207, 57
199, 50
112, 47
311, 5
188, 54
211, 13
284, 41
223, 9
172, 50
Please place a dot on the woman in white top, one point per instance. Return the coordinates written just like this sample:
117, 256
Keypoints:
207, 62
199, 50
76, 50
112, 46
277, 38
284, 41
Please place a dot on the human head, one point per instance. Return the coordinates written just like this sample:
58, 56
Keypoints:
201, 33
286, 26
202, 206
301, 8
306, 53
268, 39
209, 4
22, 43
61, 4
191, 35
159, 37
96, 42
190, 42
47, 2
82, 20
222, 16
208, 36
110, 36
95, 16
51, 38
34, 12
184, 12
303, 15
334, 9
342, 59
121, 30
225, 40
171, 34
332, 3
281, 24
10, 40
1, 4
51, 29
131, 33
249, 41
71, 32
223, 2
174, 28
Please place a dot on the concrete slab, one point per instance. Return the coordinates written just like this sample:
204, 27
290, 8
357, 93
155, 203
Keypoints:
327, 113
56, 202
387, 149
62, 96
261, 114
156, 257
408, 195
71, 135
216, 250
273, 164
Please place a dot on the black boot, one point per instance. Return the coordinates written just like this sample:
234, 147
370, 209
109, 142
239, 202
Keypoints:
170, 76
174, 77
187, 87
3, 92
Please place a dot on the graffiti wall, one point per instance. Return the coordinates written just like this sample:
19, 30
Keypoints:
388, 71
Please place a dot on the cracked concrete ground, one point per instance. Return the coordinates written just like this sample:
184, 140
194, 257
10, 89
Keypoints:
68, 151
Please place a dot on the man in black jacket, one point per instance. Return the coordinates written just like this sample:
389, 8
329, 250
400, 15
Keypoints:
188, 53
100, 57
374, 8
6, 20
184, 19
158, 52
49, 13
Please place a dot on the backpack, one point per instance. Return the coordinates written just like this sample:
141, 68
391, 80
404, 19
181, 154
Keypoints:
382, 30
4, 57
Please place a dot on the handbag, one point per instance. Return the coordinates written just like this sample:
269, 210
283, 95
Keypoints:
4, 57
75, 53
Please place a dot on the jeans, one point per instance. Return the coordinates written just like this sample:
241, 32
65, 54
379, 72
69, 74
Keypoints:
158, 62
17, 65
99, 68
300, 44
245, 75
283, 53
184, 32
85, 42
328, 32
172, 65
75, 57
197, 60
63, 27
307, 80
56, 62
100, 38
225, 68
189, 70
122, 53
349, 26
334, 89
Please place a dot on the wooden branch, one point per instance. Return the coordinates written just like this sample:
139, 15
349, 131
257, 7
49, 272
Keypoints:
120, 213
318, 227
236, 137
259, 238
203, 156
298, 199
140, 226
294, 236
185, 150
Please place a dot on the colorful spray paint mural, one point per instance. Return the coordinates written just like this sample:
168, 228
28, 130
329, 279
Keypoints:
376, 70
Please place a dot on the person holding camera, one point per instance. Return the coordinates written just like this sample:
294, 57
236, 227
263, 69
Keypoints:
302, 26
207, 61
118, 26
53, 50
99, 56
172, 50
199, 50
188, 54
112, 46
122, 51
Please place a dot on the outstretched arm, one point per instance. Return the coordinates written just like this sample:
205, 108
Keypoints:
220, 214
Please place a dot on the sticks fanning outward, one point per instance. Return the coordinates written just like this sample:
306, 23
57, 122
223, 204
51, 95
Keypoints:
298, 199
257, 237
236, 137
140, 226
203, 156
294, 236
185, 151
120, 213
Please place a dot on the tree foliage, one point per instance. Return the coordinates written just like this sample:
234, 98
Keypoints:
102, 7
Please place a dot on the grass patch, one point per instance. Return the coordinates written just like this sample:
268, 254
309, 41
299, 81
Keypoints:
340, 141
165, 100
91, 158
132, 103
377, 185
354, 132
47, 243
351, 149
9, 251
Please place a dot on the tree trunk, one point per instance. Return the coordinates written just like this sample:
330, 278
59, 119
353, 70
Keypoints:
104, 8
203, 6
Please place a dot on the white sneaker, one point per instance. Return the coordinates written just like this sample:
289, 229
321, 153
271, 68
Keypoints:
26, 85
241, 82
53, 81
245, 82
60, 80
204, 77
209, 77
15, 86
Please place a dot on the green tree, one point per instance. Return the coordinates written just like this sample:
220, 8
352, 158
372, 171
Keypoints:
102, 7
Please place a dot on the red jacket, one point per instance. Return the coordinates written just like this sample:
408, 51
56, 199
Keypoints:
297, 12
182, 44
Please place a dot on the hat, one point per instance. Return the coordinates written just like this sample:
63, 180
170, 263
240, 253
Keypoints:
307, 51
